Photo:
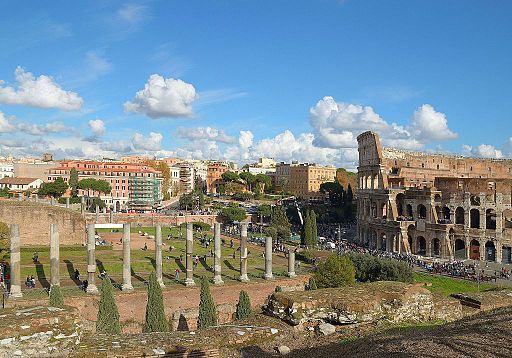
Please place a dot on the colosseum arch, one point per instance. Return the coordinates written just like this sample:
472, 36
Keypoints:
459, 215
400, 198
490, 219
490, 251
474, 200
421, 246
474, 218
459, 249
422, 211
436, 247
507, 219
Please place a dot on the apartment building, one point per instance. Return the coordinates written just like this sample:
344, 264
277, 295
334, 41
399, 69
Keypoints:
214, 177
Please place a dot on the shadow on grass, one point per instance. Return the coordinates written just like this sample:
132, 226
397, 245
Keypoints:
180, 265
140, 278
205, 265
41, 277
229, 266
71, 272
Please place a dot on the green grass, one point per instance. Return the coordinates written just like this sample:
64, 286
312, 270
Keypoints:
446, 285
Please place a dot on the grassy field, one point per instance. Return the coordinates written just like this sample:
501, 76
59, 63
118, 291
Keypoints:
143, 262
447, 286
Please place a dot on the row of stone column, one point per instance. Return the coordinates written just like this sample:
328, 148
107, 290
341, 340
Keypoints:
127, 271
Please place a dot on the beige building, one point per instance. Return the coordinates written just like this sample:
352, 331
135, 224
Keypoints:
432, 204
303, 180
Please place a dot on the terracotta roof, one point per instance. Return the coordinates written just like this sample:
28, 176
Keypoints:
17, 180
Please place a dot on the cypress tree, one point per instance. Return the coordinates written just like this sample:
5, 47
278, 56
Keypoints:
108, 314
155, 314
207, 310
314, 229
243, 307
308, 229
73, 181
56, 299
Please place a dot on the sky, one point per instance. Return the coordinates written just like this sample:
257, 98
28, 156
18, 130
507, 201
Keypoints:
241, 79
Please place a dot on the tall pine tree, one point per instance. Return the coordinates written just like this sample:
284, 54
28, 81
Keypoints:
207, 310
243, 307
155, 314
280, 224
306, 229
108, 314
73, 181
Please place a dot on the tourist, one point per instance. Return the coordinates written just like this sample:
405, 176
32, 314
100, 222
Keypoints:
145, 247
35, 257
32, 282
103, 274
177, 274
85, 284
77, 275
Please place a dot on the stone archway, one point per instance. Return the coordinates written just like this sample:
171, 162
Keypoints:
490, 251
474, 250
422, 246
436, 247
460, 249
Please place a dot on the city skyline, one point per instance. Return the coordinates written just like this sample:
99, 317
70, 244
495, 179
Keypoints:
255, 80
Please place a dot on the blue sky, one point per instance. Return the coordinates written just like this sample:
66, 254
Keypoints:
241, 79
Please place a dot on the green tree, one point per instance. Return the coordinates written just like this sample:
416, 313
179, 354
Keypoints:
56, 299
280, 224
73, 181
264, 211
306, 233
314, 228
233, 213
336, 271
5, 241
108, 314
97, 185
312, 284
207, 310
230, 176
249, 179
155, 314
54, 189
243, 307
192, 200
264, 183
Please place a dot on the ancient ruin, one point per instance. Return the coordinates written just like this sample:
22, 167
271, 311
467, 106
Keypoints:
434, 205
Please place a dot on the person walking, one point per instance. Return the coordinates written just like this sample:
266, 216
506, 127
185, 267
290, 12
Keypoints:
177, 274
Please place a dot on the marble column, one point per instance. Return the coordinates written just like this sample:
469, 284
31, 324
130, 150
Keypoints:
97, 212
217, 279
67, 203
54, 256
158, 255
291, 263
51, 201
268, 258
127, 266
91, 259
82, 204
189, 280
15, 262
36, 198
111, 219
243, 253
20, 197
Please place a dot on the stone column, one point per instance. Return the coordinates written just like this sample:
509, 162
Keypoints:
158, 255
15, 262
82, 204
91, 259
36, 198
54, 255
243, 253
20, 197
127, 267
97, 212
217, 279
51, 200
104, 210
291, 263
189, 280
67, 203
268, 258
111, 219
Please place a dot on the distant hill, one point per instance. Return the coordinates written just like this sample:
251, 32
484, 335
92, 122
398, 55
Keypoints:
345, 177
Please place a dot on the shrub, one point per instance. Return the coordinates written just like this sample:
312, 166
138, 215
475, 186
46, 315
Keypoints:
243, 307
370, 268
312, 284
108, 314
207, 310
306, 256
72, 200
155, 314
56, 299
198, 225
336, 271
278, 289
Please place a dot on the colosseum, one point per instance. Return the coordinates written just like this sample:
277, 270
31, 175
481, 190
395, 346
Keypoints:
434, 205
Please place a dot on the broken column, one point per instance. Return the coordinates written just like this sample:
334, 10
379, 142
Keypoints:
291, 263
127, 267
91, 259
67, 203
268, 258
243, 253
97, 213
20, 197
54, 255
82, 204
15, 262
111, 219
189, 280
158, 255
217, 279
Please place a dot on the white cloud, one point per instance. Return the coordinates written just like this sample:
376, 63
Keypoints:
132, 14
483, 150
97, 127
150, 143
429, 125
245, 139
6, 124
40, 92
163, 97
42, 129
208, 133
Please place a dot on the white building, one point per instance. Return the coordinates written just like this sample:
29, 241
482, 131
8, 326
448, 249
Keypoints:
6, 169
174, 184
15, 184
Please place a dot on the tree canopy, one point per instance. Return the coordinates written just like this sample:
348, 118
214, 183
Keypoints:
230, 176
336, 271
54, 189
233, 213
192, 200
279, 224
99, 185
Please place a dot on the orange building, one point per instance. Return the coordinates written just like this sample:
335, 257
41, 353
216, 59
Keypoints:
214, 176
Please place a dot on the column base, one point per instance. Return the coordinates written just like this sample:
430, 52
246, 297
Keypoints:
244, 278
92, 289
269, 276
15, 292
217, 280
189, 282
127, 287
161, 283
291, 274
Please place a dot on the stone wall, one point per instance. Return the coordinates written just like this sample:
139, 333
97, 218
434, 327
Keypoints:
34, 220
